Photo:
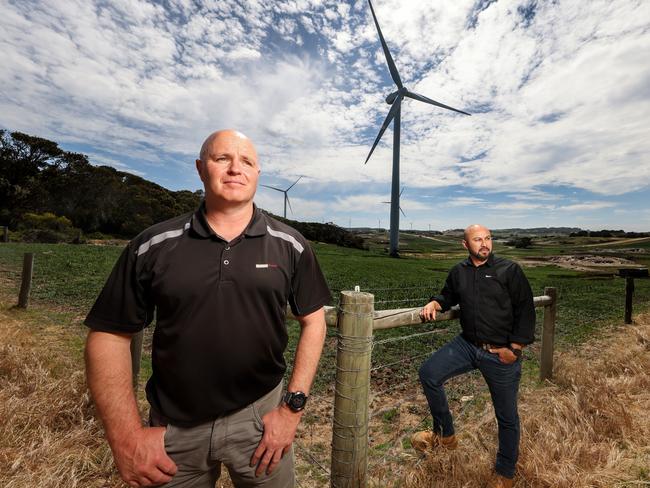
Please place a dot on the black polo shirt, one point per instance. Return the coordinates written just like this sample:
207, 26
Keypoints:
220, 309
496, 302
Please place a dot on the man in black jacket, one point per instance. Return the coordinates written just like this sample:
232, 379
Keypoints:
497, 317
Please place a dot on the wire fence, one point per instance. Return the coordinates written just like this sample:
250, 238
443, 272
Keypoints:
397, 405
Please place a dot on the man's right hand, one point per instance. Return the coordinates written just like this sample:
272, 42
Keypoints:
428, 313
141, 458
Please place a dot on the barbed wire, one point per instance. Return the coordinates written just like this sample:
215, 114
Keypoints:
311, 457
403, 300
401, 288
401, 361
410, 336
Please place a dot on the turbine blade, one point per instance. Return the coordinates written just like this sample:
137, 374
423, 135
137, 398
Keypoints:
288, 202
294, 183
400, 209
424, 99
389, 59
271, 187
391, 114
400, 193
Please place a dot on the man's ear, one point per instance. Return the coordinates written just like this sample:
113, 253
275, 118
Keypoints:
465, 244
199, 168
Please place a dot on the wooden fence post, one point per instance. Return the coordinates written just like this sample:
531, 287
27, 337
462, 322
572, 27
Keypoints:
548, 335
629, 293
26, 283
352, 388
5, 233
136, 356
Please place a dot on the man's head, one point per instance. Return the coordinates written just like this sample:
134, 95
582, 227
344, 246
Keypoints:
228, 167
478, 241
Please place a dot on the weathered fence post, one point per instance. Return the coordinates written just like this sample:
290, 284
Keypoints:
548, 335
5, 233
629, 294
353, 357
629, 274
136, 356
26, 283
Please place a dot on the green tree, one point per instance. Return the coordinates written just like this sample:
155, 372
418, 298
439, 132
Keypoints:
37, 176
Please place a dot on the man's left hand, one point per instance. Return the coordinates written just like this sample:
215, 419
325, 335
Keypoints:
280, 426
506, 356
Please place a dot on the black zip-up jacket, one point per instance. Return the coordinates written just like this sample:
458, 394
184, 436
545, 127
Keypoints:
496, 302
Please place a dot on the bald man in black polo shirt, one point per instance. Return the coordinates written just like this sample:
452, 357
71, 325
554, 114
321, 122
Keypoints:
497, 318
218, 281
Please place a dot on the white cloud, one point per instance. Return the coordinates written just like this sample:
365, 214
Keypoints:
559, 101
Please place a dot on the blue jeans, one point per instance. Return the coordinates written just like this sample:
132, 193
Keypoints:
460, 356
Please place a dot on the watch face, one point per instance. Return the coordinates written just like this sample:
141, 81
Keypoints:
296, 401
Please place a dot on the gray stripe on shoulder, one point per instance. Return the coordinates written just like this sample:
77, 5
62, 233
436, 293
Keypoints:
158, 238
283, 235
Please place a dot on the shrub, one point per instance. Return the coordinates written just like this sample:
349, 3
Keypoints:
520, 242
47, 228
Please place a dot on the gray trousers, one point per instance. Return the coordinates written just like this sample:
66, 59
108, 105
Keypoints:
199, 451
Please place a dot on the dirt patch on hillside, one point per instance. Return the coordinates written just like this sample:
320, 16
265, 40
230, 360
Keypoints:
581, 262
107, 242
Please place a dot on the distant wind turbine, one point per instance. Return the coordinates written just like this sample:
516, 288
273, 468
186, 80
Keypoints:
394, 114
286, 196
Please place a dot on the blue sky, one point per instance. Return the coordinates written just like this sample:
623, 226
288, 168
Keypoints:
559, 92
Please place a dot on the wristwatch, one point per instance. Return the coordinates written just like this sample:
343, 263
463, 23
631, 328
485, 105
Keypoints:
517, 352
295, 400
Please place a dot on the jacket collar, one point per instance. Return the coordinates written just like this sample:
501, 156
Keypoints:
489, 263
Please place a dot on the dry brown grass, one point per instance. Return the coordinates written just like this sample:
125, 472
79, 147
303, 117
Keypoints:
48, 435
590, 427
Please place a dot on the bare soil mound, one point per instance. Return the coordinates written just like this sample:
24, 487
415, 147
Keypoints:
582, 262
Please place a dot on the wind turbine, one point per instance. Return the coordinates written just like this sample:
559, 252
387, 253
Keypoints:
394, 99
286, 196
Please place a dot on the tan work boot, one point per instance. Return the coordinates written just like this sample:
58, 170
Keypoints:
499, 481
428, 441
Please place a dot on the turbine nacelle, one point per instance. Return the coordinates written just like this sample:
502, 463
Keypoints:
390, 98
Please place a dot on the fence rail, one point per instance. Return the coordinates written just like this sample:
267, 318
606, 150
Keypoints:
401, 317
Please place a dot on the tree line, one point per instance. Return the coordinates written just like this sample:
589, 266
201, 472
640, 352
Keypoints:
608, 233
49, 194
37, 177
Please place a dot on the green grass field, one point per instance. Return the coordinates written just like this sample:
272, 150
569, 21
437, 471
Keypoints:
69, 277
